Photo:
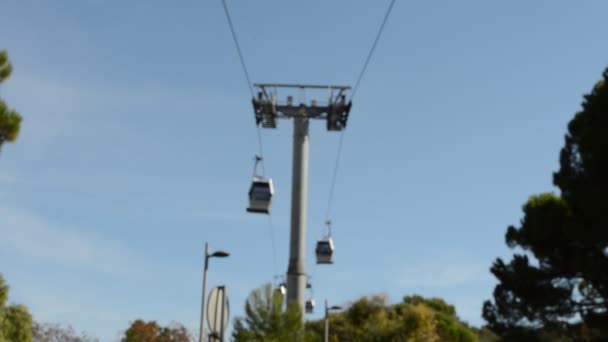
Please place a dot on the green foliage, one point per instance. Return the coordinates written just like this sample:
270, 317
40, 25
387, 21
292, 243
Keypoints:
414, 319
10, 120
265, 319
10, 123
15, 320
448, 326
5, 66
437, 304
3, 292
563, 292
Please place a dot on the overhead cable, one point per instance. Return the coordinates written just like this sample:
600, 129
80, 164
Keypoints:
238, 47
355, 88
373, 48
259, 135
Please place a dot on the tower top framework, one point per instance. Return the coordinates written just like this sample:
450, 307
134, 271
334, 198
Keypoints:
333, 108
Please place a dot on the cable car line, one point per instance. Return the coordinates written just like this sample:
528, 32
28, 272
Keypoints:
373, 48
355, 88
261, 148
326, 246
238, 48
333, 178
245, 72
259, 158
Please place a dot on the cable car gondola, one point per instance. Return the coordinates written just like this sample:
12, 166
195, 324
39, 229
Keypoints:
260, 192
310, 301
325, 251
325, 248
310, 306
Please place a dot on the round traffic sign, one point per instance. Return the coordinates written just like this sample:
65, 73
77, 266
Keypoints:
218, 311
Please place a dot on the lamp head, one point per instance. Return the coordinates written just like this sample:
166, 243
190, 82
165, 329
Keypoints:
220, 254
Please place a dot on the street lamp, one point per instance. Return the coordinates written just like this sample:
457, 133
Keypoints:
327, 310
218, 254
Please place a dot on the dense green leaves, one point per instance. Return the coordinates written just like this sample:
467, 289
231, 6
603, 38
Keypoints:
414, 319
5, 66
558, 288
15, 320
10, 120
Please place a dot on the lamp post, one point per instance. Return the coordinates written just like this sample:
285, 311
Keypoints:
219, 254
327, 310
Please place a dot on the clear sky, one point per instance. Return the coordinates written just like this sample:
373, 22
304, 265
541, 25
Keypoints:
138, 140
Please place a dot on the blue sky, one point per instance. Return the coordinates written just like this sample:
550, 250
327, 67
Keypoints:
138, 141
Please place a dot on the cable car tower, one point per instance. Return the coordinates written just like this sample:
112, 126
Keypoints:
268, 109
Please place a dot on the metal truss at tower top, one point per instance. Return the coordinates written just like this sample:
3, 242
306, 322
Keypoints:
268, 108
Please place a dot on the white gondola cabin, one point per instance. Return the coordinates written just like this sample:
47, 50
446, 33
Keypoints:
325, 251
260, 196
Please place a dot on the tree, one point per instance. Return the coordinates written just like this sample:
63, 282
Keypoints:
448, 326
15, 320
558, 288
10, 120
415, 319
141, 331
265, 319
46, 332
412, 320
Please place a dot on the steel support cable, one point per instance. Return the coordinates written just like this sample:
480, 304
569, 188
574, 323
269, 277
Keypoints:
259, 135
261, 148
355, 88
245, 72
371, 51
238, 48
332, 185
